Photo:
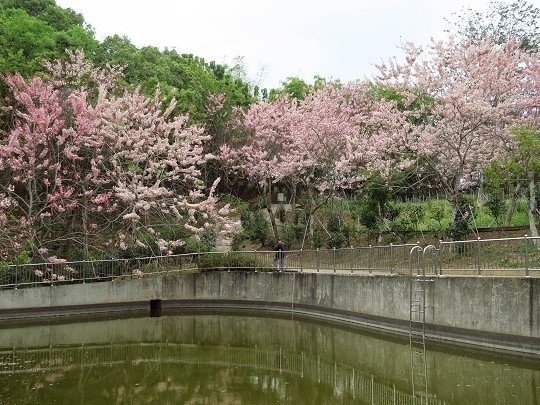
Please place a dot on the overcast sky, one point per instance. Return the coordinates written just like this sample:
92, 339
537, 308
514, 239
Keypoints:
339, 39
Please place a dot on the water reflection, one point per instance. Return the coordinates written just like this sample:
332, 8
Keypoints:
238, 359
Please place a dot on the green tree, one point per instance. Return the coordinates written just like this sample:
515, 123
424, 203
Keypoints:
503, 178
294, 87
32, 31
528, 155
501, 22
377, 209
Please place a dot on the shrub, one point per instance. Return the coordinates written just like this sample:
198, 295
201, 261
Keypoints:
255, 226
334, 223
337, 240
317, 238
233, 260
461, 226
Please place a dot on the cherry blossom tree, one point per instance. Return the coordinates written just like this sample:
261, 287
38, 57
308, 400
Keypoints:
471, 93
263, 154
327, 142
81, 156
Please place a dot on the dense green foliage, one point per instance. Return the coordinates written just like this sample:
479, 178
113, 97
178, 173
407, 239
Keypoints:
33, 31
297, 88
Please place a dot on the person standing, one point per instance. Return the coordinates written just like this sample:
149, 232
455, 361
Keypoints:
280, 254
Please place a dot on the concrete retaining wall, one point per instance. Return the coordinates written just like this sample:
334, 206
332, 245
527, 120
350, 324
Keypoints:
500, 313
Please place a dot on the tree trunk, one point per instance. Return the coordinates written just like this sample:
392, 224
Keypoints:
514, 191
269, 209
532, 205
293, 198
32, 237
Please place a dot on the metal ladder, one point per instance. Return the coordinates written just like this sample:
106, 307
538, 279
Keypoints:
418, 281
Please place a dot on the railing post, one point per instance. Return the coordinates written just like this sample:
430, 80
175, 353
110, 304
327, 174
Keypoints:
526, 241
418, 258
228, 260
440, 256
352, 259
391, 259
255, 261
16, 267
317, 260
478, 256
370, 259
301, 260
334, 251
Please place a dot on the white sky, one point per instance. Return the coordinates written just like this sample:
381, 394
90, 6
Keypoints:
339, 39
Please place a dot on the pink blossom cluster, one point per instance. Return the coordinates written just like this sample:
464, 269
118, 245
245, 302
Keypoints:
83, 152
467, 96
325, 142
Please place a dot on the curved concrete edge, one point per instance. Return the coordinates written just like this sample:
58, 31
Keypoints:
490, 342
491, 313
502, 344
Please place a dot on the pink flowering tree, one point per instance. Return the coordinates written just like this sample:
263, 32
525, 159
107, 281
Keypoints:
329, 141
86, 163
263, 153
469, 94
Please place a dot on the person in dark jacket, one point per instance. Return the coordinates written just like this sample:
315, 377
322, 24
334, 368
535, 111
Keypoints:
279, 259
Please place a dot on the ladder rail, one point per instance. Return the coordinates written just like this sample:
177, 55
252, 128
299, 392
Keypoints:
417, 317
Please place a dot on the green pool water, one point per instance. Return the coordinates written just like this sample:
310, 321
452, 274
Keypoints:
245, 359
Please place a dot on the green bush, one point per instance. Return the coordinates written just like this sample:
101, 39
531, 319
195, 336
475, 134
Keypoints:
193, 246
231, 260
412, 214
462, 224
281, 213
238, 241
317, 239
337, 240
496, 204
334, 222
255, 226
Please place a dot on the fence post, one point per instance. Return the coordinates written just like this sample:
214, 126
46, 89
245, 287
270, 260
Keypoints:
391, 259
352, 259
418, 258
16, 267
317, 260
228, 260
370, 259
334, 251
526, 241
440, 256
255, 261
478, 257
301, 260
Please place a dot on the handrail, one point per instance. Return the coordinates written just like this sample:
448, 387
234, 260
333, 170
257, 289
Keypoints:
478, 257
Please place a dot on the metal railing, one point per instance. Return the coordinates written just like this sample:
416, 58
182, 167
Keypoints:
516, 257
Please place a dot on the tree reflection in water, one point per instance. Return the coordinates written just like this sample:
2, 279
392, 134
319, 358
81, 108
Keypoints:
236, 359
